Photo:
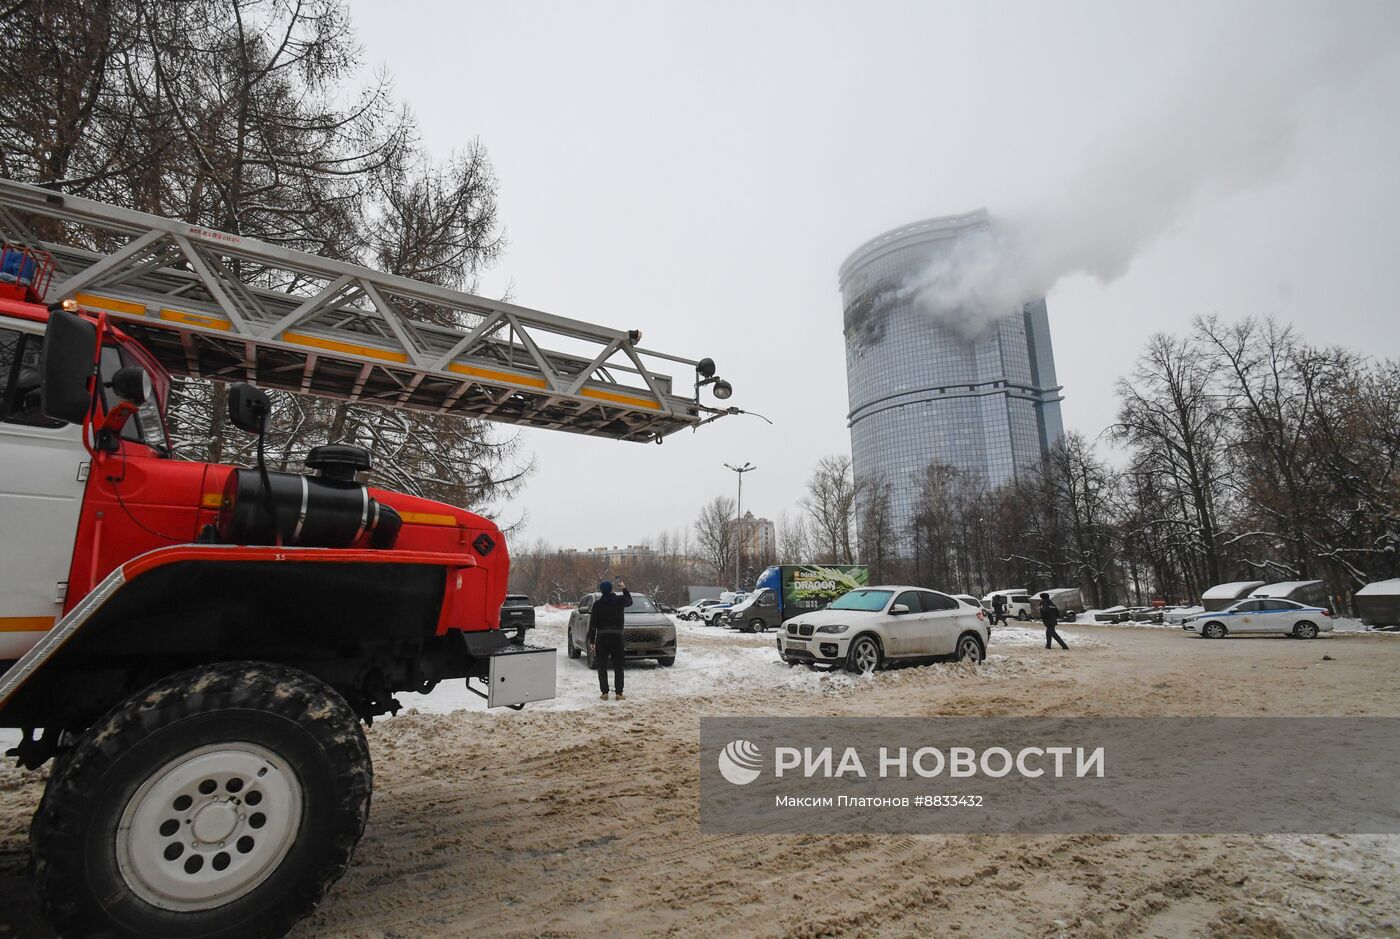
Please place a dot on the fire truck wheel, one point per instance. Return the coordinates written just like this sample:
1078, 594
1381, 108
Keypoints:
220, 802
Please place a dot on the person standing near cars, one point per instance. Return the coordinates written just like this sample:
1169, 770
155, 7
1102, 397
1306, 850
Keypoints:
1050, 616
999, 609
605, 628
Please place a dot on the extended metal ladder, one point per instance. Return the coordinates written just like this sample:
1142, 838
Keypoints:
219, 306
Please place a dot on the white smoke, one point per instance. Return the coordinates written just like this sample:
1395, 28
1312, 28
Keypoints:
1234, 123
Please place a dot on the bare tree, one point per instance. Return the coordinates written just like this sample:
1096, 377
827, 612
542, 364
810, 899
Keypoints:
879, 540
245, 115
793, 547
1082, 488
715, 536
1178, 425
831, 505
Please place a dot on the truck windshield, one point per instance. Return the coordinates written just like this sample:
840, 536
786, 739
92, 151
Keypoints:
868, 601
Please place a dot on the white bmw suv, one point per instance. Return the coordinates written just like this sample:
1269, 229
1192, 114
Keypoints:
867, 627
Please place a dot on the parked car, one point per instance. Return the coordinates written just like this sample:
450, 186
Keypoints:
866, 628
716, 615
1180, 615
693, 611
517, 613
1262, 615
647, 633
1018, 603
719, 615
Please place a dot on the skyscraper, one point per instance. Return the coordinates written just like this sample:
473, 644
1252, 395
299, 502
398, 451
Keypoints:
922, 388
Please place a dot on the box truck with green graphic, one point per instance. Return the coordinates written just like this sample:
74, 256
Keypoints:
785, 590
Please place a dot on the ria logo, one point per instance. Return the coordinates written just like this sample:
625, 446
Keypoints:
740, 762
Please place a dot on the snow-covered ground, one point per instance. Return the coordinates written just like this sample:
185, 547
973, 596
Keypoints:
709, 661
717, 661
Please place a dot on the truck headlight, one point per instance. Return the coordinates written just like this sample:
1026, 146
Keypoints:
832, 629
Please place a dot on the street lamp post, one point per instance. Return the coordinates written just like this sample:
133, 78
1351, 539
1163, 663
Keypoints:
739, 520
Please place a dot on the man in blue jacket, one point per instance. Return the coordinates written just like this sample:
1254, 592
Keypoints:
605, 628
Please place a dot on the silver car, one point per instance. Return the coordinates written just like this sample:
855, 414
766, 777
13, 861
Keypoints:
647, 633
1262, 615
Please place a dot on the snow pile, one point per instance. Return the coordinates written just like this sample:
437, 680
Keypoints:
1087, 619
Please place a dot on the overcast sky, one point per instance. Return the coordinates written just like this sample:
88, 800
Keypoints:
700, 170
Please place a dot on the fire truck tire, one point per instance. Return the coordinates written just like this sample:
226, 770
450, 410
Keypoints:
223, 801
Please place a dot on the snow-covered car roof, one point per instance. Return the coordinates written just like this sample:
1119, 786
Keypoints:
1231, 590
1381, 588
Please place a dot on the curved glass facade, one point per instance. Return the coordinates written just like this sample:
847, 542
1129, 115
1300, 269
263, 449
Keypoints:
922, 391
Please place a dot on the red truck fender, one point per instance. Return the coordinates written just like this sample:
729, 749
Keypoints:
455, 571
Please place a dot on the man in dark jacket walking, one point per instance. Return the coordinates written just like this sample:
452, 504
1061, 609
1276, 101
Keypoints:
999, 609
1050, 615
605, 628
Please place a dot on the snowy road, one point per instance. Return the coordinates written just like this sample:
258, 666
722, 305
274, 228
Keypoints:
578, 818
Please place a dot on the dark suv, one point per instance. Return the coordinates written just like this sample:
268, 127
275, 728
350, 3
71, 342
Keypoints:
517, 613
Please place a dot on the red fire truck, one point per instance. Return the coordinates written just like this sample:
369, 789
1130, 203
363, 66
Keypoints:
196, 646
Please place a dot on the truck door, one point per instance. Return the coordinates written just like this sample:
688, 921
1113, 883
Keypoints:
766, 608
41, 493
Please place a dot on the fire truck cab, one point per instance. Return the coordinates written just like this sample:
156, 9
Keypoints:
196, 646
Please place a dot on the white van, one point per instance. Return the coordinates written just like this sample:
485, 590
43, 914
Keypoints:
1018, 603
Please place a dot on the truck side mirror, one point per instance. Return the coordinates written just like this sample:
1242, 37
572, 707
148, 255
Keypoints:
66, 364
248, 407
132, 385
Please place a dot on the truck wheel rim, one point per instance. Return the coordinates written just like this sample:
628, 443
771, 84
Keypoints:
970, 649
209, 826
865, 655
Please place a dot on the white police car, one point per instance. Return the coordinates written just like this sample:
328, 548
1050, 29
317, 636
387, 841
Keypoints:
1262, 615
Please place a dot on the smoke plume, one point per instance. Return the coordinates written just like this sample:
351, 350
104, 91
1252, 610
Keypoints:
1232, 124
